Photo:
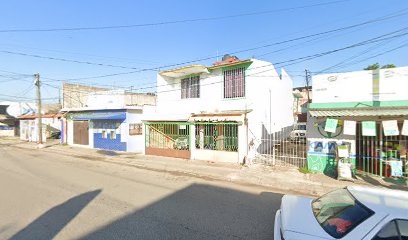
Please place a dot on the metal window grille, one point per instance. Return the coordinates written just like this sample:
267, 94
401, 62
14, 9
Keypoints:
168, 136
190, 87
221, 137
234, 83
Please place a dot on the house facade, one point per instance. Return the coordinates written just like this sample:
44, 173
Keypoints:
219, 113
51, 126
107, 121
368, 112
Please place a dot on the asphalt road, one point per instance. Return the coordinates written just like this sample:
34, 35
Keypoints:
52, 196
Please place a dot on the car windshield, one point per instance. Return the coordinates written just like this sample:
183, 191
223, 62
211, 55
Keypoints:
338, 212
301, 127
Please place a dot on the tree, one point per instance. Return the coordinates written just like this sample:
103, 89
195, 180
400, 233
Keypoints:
388, 66
372, 66
377, 66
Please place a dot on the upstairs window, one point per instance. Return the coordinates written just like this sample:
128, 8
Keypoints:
190, 87
234, 83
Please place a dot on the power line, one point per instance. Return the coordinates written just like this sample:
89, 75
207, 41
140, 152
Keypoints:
343, 65
386, 17
169, 22
302, 59
309, 57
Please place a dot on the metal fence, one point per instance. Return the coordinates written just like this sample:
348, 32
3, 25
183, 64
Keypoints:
217, 136
168, 136
279, 148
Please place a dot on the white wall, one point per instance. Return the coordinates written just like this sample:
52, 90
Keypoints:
70, 132
358, 86
29, 130
268, 96
135, 143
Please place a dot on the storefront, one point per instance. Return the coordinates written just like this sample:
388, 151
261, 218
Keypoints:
377, 138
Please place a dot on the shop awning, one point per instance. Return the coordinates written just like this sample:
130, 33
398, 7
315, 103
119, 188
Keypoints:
99, 116
359, 112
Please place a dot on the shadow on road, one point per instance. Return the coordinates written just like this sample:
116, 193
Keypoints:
49, 224
198, 212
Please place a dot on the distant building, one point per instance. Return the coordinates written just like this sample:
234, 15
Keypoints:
50, 119
51, 127
302, 97
105, 119
9, 125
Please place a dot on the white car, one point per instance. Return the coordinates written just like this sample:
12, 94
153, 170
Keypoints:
350, 213
299, 132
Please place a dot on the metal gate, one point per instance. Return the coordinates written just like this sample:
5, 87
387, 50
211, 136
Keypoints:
280, 148
81, 132
168, 139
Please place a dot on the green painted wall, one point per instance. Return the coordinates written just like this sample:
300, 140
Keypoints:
325, 164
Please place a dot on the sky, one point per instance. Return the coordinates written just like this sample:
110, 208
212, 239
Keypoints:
219, 27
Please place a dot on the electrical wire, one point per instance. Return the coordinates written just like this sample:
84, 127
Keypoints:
387, 17
169, 22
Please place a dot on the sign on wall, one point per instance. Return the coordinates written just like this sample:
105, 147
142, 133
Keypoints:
331, 125
390, 128
349, 127
369, 128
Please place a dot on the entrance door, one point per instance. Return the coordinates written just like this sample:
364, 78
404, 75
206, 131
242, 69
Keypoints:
81, 132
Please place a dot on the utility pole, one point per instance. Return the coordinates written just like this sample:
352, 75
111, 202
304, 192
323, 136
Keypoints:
307, 78
39, 121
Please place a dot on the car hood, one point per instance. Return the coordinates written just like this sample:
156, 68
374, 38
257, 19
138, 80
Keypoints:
297, 216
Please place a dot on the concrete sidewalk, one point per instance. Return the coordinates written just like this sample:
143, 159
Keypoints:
282, 179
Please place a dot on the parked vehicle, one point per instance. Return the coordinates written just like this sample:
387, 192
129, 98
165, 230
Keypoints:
350, 213
299, 132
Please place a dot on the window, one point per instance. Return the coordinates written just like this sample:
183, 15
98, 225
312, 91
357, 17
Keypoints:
395, 230
135, 129
190, 87
234, 83
104, 134
338, 212
112, 134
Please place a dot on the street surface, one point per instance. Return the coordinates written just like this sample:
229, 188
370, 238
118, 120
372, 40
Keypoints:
53, 196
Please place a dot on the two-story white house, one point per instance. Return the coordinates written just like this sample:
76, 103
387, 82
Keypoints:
219, 113
368, 112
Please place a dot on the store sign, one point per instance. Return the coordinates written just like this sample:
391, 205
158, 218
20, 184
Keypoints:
349, 127
390, 128
331, 125
404, 130
369, 128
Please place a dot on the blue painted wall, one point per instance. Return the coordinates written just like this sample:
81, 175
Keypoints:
109, 144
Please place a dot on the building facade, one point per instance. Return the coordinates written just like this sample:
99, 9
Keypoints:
109, 121
368, 112
219, 113
51, 127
